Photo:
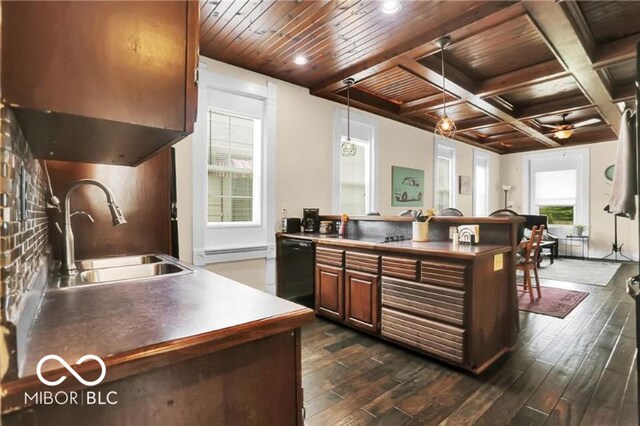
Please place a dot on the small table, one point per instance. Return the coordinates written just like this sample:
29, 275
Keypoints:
568, 244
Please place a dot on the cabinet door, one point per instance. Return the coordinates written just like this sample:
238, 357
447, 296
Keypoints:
361, 300
330, 291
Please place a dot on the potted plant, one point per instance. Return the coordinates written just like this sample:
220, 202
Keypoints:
579, 229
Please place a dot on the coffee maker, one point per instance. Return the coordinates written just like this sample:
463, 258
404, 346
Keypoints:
310, 220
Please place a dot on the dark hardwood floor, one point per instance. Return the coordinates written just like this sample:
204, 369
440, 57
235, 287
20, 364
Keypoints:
577, 370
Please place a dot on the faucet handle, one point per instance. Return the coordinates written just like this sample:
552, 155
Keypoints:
84, 213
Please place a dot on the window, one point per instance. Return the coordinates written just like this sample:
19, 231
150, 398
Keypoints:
558, 186
232, 178
445, 170
354, 180
481, 184
555, 195
354, 177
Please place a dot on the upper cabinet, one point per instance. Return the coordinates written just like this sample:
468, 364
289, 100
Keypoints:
101, 82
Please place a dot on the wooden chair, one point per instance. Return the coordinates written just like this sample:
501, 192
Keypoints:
529, 261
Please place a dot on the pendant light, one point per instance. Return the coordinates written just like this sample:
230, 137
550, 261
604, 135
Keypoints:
348, 148
445, 126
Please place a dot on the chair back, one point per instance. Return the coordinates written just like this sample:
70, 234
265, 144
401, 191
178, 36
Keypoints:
450, 211
532, 248
510, 213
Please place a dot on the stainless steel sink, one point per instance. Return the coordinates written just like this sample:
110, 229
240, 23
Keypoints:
112, 262
123, 273
119, 269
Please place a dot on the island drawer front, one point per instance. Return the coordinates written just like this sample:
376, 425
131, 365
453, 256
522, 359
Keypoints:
398, 267
445, 274
426, 335
438, 303
363, 262
329, 256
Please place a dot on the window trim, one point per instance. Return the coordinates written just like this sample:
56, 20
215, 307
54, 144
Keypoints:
449, 146
365, 129
558, 160
211, 244
479, 155
258, 151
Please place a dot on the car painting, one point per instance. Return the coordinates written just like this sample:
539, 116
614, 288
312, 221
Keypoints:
408, 187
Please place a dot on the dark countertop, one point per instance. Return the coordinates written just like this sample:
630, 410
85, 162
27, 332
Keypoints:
177, 317
429, 248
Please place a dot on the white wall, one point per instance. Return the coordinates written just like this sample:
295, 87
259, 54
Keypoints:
304, 164
601, 155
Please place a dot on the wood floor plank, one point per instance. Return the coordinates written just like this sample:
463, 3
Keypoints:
584, 382
606, 401
508, 405
629, 410
479, 402
357, 418
392, 417
581, 369
352, 402
388, 400
566, 413
320, 403
447, 401
529, 416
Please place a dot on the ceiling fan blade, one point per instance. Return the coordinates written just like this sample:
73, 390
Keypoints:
549, 126
587, 122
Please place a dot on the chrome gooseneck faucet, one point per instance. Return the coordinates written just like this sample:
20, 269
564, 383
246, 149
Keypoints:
69, 261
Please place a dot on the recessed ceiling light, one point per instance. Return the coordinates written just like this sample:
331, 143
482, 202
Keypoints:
389, 7
300, 60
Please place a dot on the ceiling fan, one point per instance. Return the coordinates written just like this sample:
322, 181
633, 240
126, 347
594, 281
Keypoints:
565, 129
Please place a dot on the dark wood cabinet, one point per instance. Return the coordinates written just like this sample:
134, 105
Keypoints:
361, 300
101, 82
330, 291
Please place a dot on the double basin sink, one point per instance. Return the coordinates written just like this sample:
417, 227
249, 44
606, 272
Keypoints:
116, 269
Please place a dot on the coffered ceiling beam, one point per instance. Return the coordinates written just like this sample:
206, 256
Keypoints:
365, 106
476, 21
428, 103
624, 93
616, 52
558, 106
475, 123
460, 92
450, 71
535, 74
553, 21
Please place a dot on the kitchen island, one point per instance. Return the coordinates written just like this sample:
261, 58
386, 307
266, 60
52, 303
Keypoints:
454, 303
191, 348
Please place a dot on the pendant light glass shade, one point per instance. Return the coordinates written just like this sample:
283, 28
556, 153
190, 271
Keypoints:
445, 126
348, 148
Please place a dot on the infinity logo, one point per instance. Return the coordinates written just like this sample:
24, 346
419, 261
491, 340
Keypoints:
71, 370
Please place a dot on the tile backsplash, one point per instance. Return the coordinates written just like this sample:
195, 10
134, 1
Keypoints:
23, 222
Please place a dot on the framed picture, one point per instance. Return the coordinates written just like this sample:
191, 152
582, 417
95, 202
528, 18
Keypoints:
407, 187
464, 185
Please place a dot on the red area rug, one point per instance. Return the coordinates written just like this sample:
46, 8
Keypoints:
554, 302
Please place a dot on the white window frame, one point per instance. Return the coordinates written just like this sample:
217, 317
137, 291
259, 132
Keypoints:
364, 129
481, 157
257, 195
445, 148
556, 160
213, 242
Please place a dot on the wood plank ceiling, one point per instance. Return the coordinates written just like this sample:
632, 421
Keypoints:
512, 70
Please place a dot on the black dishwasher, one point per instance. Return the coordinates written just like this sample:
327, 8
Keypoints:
296, 271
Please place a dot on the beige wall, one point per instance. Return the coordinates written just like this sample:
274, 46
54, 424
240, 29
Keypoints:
601, 155
304, 169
